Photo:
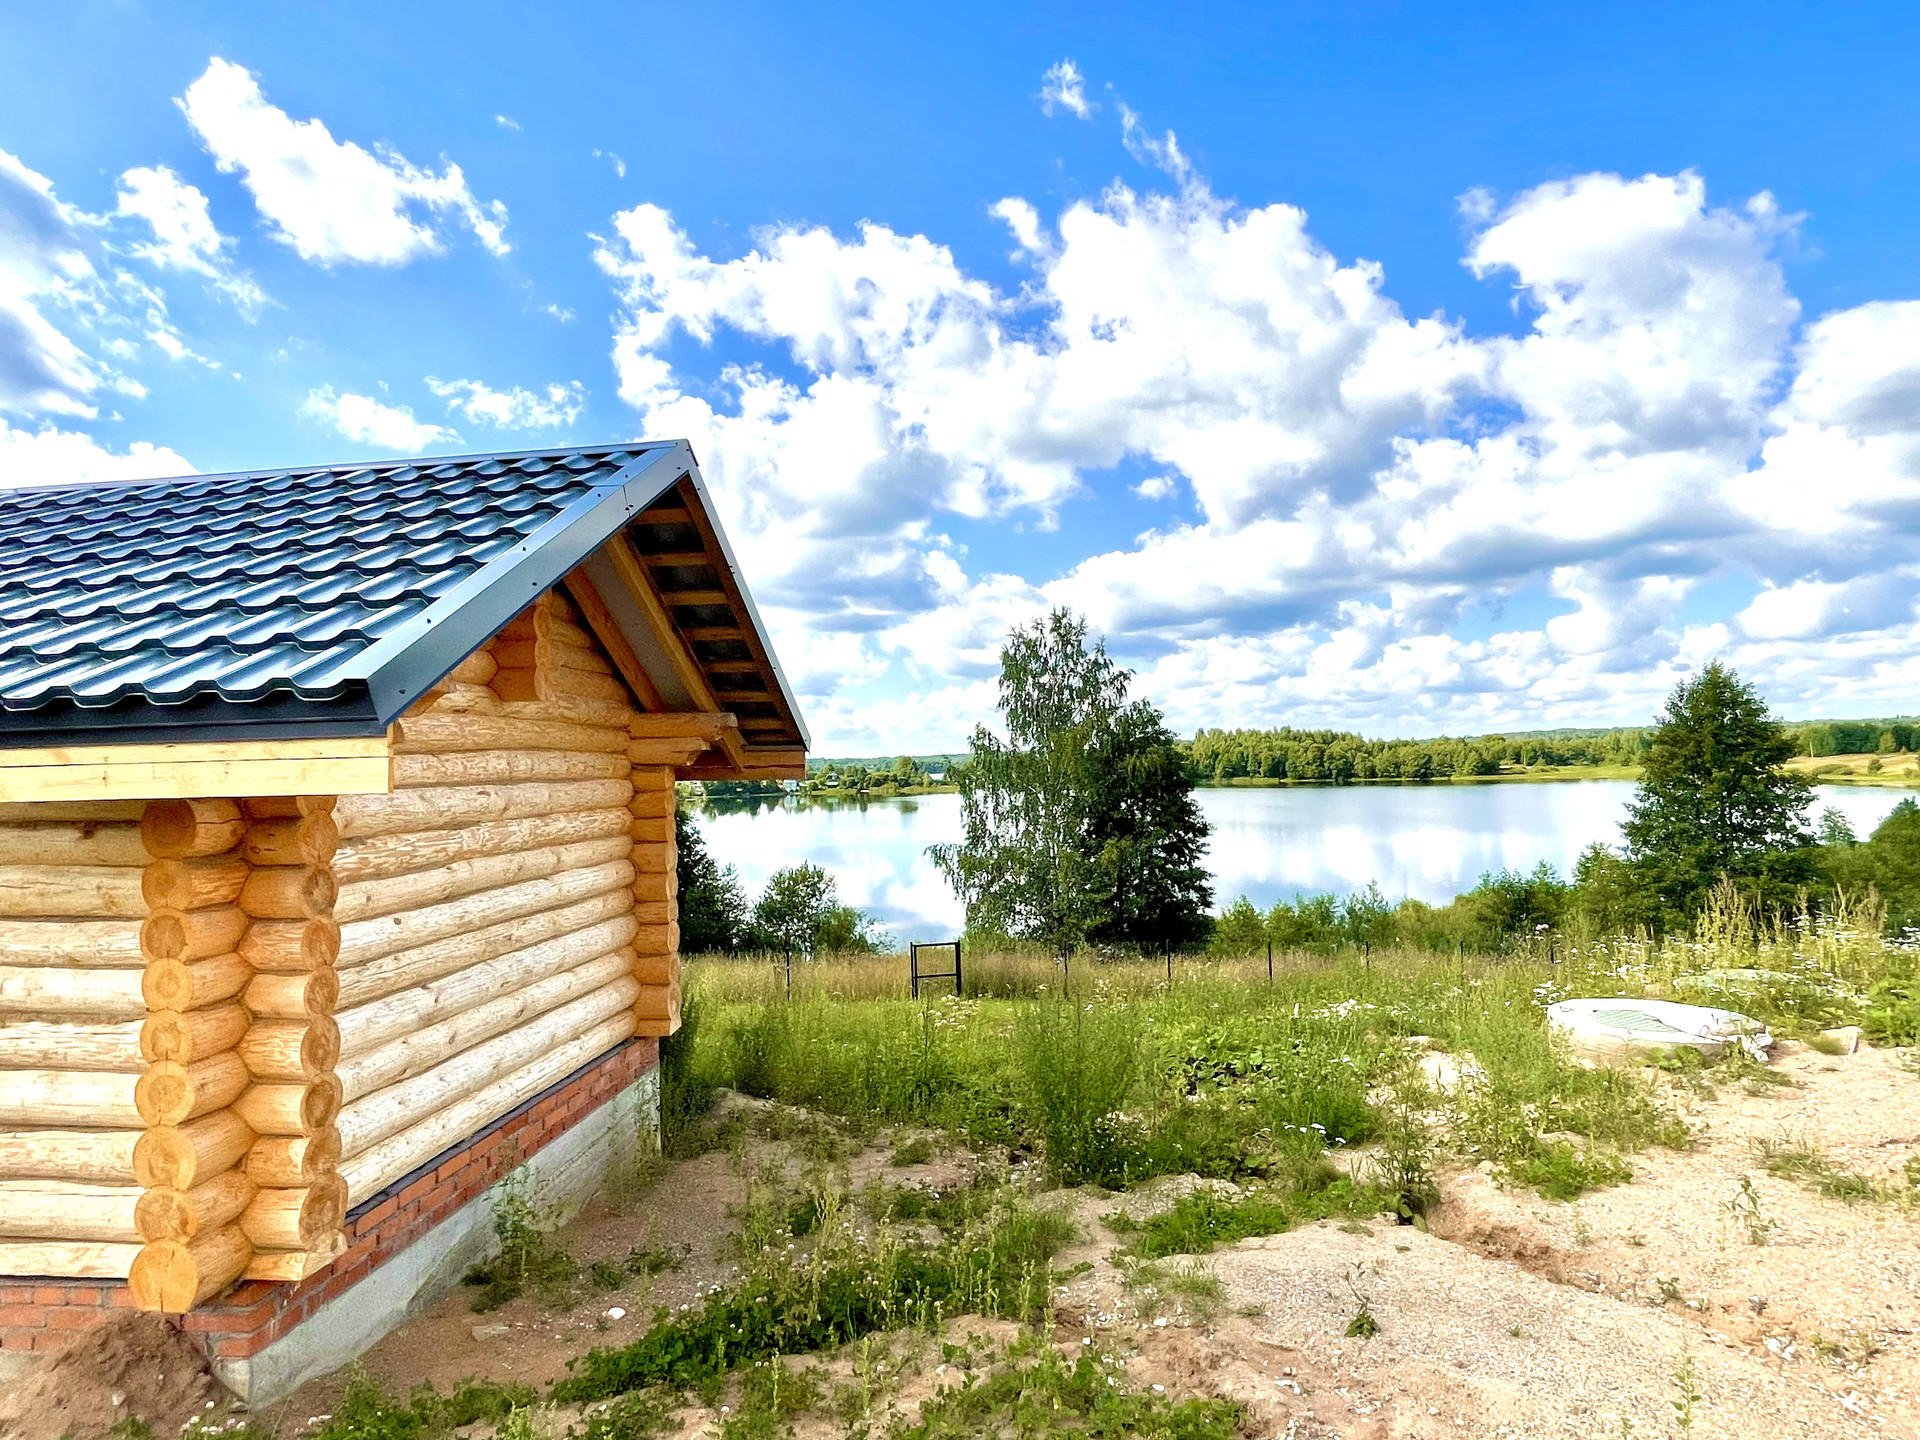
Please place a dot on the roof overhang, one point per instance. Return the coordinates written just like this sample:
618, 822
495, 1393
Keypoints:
644, 556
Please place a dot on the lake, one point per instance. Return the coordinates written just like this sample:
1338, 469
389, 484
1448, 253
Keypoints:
1429, 842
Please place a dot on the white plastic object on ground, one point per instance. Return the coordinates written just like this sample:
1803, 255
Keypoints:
1634, 1030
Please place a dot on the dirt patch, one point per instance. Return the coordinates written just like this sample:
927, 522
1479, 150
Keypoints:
135, 1366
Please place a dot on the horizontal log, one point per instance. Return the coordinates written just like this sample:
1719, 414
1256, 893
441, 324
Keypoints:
99, 1157
175, 829
650, 830
658, 1002
288, 892
179, 1157
370, 939
287, 807
292, 1161
672, 754
407, 968
296, 1219
374, 1117
69, 1097
292, 1266
293, 997
290, 1049
531, 626
91, 812
193, 934
504, 767
379, 1165
291, 947
418, 1052
72, 994
658, 939
654, 859
101, 892
292, 840
173, 1276
185, 985
197, 883
363, 1027
477, 669
411, 812
169, 1214
171, 1093
68, 1260
656, 912
659, 1026
59, 1210
369, 899
560, 685
536, 654
382, 857
651, 804
112, 1045
101, 944
438, 734
275, 1108
657, 969
654, 888
72, 843
189, 1035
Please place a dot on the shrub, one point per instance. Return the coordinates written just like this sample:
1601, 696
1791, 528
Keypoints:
1078, 1064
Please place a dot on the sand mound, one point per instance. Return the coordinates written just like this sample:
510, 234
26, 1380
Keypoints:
132, 1365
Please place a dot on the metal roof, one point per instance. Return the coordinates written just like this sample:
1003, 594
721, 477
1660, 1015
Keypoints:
312, 601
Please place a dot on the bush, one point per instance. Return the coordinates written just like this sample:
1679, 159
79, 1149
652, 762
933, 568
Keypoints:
1078, 1064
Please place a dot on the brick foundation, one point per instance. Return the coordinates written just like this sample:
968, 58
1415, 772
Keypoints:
38, 1314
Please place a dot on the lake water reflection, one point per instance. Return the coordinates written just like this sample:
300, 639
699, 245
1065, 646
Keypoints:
1427, 842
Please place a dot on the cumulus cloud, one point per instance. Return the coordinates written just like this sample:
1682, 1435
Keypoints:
1063, 87
368, 421
184, 236
47, 273
50, 456
514, 409
332, 201
1366, 482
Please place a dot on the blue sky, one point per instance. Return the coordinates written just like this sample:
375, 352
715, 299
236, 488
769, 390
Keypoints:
1400, 368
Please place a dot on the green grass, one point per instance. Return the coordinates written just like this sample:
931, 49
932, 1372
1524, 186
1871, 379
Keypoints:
1806, 1163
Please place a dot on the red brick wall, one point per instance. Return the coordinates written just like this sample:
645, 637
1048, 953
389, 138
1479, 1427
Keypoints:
44, 1314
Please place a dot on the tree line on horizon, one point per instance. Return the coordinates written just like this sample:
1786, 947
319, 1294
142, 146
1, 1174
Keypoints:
1340, 757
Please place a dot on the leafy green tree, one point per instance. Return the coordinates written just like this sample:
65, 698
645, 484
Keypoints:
791, 910
1713, 800
1080, 822
1887, 862
1145, 835
713, 907
1240, 930
1607, 898
1366, 919
1022, 868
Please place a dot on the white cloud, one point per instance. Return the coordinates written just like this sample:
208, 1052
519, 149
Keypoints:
332, 201
514, 409
619, 165
1162, 153
506, 122
368, 421
48, 456
1063, 87
1370, 487
47, 271
184, 237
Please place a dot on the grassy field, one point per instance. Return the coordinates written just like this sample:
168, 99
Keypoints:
1121, 1070
1901, 768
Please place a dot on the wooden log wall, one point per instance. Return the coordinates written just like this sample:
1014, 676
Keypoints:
223, 1023
486, 907
72, 1017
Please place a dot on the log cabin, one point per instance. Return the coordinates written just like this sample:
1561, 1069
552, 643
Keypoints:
337, 870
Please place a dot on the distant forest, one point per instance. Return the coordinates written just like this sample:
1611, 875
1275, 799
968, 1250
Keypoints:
1338, 757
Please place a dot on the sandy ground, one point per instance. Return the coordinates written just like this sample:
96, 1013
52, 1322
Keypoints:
1514, 1316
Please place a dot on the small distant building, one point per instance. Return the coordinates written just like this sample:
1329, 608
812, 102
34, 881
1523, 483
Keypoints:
337, 871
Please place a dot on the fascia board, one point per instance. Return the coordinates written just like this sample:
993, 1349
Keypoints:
404, 664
